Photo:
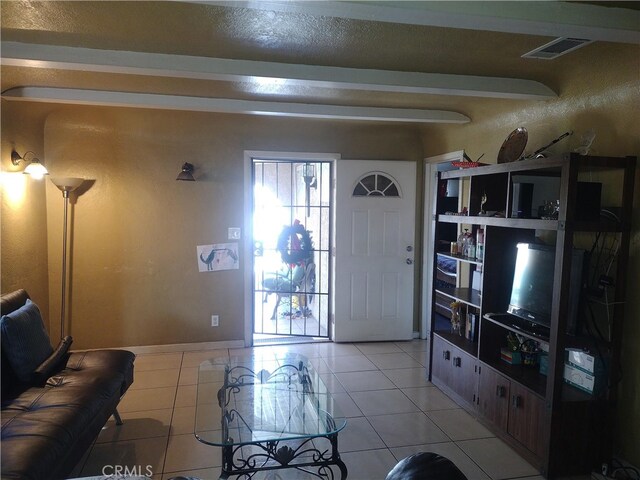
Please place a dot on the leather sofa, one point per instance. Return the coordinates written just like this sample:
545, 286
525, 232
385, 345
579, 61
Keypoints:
48, 425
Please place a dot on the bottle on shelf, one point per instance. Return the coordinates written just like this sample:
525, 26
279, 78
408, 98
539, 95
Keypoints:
461, 241
471, 248
480, 244
468, 247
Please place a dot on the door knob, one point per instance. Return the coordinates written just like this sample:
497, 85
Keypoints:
409, 248
409, 261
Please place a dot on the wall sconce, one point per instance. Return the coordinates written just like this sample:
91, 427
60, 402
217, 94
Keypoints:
187, 173
35, 168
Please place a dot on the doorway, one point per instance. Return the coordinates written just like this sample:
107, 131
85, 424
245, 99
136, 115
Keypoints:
292, 232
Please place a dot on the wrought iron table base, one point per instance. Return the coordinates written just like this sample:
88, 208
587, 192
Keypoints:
321, 460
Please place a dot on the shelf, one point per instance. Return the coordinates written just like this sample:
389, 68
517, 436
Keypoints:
533, 164
468, 296
529, 377
461, 342
533, 223
461, 258
536, 223
532, 336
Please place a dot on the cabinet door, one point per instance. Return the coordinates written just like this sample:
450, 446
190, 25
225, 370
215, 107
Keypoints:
493, 393
463, 375
526, 417
441, 360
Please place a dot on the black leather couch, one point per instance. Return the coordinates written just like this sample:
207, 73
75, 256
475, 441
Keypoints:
47, 427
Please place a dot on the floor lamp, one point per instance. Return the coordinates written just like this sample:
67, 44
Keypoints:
65, 185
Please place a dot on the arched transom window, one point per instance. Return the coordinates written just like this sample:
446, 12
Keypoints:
376, 184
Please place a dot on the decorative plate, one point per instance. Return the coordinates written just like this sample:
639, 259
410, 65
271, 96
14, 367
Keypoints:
513, 146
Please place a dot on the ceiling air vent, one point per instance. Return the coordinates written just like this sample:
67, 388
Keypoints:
557, 47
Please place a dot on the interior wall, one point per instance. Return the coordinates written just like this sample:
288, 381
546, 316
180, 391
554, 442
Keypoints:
23, 229
134, 276
599, 96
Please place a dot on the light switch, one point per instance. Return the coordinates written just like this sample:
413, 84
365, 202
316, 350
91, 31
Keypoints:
234, 233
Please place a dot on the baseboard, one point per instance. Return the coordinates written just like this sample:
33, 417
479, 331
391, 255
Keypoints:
176, 347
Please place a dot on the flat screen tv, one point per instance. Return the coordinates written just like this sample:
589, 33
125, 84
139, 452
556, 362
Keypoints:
532, 288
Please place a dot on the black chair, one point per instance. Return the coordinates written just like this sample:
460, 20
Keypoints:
425, 466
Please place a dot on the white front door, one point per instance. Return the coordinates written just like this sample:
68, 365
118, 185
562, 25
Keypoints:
374, 259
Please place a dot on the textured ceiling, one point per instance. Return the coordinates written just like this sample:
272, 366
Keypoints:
202, 30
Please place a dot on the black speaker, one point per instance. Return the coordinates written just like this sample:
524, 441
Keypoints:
521, 200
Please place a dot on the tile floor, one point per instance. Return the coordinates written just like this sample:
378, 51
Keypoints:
393, 412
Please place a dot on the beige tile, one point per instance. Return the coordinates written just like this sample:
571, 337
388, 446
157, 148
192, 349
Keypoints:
448, 450
414, 346
377, 347
147, 399
194, 359
144, 455
140, 424
155, 379
209, 374
497, 459
207, 417
328, 350
357, 435
202, 474
309, 350
429, 398
386, 361
350, 363
186, 452
421, 357
407, 429
363, 381
319, 365
381, 402
408, 377
458, 424
369, 464
183, 420
208, 393
332, 383
186, 396
188, 376
257, 352
347, 406
157, 361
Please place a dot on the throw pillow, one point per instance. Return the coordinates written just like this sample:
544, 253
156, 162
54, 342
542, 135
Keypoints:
54, 362
25, 342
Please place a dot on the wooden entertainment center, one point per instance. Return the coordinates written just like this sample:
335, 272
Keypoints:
559, 428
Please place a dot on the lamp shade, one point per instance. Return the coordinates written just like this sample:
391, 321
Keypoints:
36, 170
67, 184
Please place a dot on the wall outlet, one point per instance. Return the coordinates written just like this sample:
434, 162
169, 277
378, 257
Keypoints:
215, 320
233, 233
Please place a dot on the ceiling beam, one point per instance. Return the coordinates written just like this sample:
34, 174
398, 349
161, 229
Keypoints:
206, 68
225, 105
544, 18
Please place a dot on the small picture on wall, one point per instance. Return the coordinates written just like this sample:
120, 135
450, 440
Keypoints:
219, 256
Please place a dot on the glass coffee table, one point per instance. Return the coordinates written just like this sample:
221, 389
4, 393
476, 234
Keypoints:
268, 414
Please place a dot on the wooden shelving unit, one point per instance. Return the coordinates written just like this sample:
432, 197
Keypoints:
548, 421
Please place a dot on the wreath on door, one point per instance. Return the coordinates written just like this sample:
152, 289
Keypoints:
295, 244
